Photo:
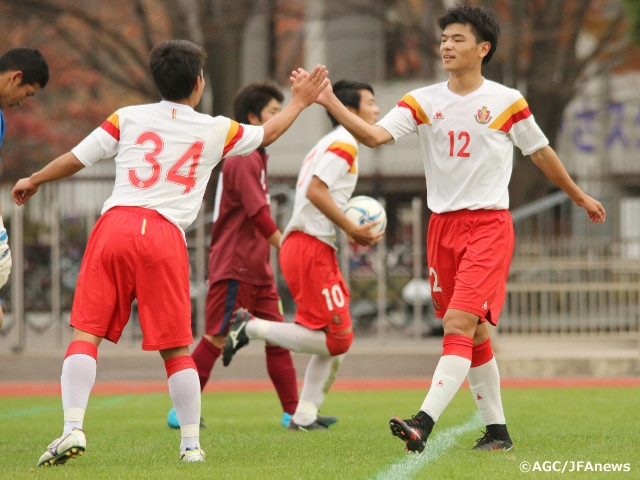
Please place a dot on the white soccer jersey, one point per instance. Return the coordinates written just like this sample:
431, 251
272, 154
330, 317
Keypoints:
334, 160
164, 154
467, 142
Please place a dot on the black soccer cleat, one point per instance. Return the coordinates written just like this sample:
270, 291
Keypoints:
326, 421
414, 432
237, 336
495, 438
305, 428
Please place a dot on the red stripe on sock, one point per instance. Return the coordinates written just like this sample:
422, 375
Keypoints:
482, 353
176, 364
82, 347
456, 344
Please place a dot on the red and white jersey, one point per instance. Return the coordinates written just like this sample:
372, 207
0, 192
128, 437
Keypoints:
334, 160
467, 142
164, 154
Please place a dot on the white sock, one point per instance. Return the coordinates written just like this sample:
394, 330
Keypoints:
447, 379
184, 389
291, 336
485, 387
320, 374
76, 381
306, 413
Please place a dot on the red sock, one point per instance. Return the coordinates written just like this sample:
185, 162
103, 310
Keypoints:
459, 345
82, 347
283, 375
179, 363
482, 353
205, 356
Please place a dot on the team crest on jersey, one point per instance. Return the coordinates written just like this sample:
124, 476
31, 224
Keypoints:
483, 116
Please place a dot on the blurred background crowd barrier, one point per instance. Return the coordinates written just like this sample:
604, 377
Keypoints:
561, 283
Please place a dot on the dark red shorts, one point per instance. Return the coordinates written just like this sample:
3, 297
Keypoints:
226, 296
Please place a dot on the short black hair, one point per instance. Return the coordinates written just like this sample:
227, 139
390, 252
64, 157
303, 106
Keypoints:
30, 62
482, 21
252, 98
175, 66
348, 92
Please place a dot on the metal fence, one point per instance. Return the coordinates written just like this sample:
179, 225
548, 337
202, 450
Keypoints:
561, 282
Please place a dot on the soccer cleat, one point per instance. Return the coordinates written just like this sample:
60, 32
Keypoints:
68, 446
286, 419
305, 428
192, 454
237, 336
489, 442
172, 420
326, 421
414, 432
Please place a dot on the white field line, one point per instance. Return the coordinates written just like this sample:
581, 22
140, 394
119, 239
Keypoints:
411, 464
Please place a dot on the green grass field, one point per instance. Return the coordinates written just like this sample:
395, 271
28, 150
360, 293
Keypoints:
127, 437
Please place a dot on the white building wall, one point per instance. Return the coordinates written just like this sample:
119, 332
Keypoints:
601, 129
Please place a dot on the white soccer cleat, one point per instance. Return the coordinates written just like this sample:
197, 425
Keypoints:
192, 455
62, 449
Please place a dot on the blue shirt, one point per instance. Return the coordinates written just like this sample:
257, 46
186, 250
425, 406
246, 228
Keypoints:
1, 126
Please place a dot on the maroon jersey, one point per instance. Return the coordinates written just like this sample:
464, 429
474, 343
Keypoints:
238, 250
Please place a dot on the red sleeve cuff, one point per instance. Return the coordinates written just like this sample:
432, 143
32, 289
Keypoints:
264, 223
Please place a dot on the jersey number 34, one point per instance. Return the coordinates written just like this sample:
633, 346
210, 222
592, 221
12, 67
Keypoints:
192, 154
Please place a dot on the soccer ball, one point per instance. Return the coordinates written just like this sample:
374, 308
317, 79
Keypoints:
363, 209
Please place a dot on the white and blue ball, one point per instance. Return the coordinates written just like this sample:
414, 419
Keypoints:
363, 209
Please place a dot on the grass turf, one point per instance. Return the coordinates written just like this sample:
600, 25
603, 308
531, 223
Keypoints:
127, 437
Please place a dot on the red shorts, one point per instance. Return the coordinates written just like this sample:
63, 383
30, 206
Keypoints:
133, 253
226, 296
469, 254
312, 273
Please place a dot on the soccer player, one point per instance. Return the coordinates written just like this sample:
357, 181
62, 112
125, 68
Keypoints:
467, 128
240, 273
23, 71
308, 261
164, 154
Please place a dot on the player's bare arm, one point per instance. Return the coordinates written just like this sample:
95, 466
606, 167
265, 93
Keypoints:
367, 134
547, 160
275, 238
304, 91
62, 167
318, 194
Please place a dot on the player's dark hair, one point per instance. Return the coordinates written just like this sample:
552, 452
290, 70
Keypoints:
252, 98
175, 66
348, 92
30, 62
482, 21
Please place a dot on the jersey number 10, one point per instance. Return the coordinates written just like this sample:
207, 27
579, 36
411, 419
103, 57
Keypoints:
335, 297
